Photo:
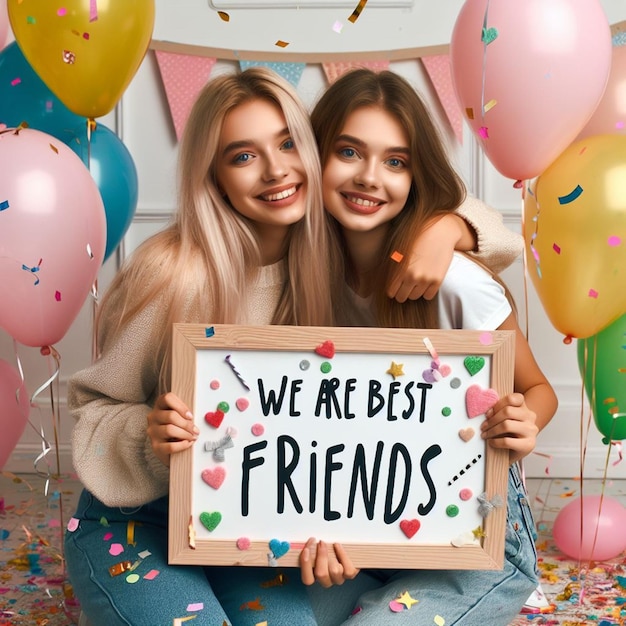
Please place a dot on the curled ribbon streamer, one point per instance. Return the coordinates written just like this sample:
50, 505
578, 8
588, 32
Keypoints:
618, 444
46, 447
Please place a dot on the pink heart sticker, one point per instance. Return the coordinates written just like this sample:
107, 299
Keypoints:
242, 403
478, 400
466, 434
214, 477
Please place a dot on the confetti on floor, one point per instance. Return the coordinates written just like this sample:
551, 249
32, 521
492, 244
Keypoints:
34, 591
580, 593
33, 586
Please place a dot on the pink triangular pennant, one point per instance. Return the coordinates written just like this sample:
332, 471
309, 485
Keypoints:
438, 68
183, 76
334, 70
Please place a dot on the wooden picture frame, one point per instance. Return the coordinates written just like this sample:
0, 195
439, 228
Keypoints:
365, 436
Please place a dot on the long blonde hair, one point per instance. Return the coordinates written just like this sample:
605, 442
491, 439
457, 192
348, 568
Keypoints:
436, 187
209, 254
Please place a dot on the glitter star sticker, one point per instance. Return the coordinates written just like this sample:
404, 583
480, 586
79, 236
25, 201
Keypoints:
396, 369
406, 599
478, 532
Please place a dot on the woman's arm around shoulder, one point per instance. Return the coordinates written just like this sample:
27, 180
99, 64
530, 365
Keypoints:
475, 228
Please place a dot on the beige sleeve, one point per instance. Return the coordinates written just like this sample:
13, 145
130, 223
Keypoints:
498, 246
110, 401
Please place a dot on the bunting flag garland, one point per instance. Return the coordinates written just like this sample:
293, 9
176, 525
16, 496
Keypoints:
183, 77
438, 69
334, 70
289, 71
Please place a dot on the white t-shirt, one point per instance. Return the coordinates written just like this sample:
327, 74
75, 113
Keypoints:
469, 298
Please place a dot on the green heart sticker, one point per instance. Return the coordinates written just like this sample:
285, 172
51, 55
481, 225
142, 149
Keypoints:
211, 520
473, 364
489, 35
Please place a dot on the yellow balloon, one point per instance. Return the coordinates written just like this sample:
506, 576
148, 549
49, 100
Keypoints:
85, 51
575, 233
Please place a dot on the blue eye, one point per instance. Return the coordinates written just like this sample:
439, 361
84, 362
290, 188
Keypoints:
289, 144
242, 158
396, 163
348, 153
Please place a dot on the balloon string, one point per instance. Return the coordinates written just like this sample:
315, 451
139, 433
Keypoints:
94, 315
91, 128
584, 433
484, 76
525, 275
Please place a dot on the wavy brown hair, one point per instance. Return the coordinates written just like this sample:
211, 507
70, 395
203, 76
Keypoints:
436, 187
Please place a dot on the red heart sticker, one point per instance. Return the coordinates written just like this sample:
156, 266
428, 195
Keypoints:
214, 418
326, 349
409, 526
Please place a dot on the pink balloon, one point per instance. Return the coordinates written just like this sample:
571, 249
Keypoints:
52, 236
4, 23
605, 515
15, 409
609, 118
528, 76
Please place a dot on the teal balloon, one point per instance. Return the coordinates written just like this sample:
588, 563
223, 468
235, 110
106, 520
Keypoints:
602, 364
113, 169
24, 97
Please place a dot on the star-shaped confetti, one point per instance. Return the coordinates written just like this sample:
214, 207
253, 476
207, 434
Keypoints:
478, 532
406, 599
396, 369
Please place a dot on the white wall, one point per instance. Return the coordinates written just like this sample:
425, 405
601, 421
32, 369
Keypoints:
142, 121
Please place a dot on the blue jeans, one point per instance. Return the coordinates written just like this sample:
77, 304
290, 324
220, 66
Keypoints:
245, 596
156, 601
460, 597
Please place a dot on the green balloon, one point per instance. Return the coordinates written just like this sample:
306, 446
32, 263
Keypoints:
602, 364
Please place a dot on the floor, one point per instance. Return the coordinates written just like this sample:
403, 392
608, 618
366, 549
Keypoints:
33, 590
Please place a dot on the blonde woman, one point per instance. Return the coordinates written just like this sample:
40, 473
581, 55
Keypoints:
248, 245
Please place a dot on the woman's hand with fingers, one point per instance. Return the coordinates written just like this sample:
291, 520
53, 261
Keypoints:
328, 568
511, 425
170, 427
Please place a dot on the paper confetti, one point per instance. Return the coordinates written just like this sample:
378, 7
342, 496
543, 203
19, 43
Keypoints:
357, 11
570, 197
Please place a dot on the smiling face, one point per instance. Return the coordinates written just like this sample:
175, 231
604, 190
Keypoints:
367, 177
259, 169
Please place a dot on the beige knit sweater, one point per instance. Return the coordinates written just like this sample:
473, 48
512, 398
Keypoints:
110, 399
